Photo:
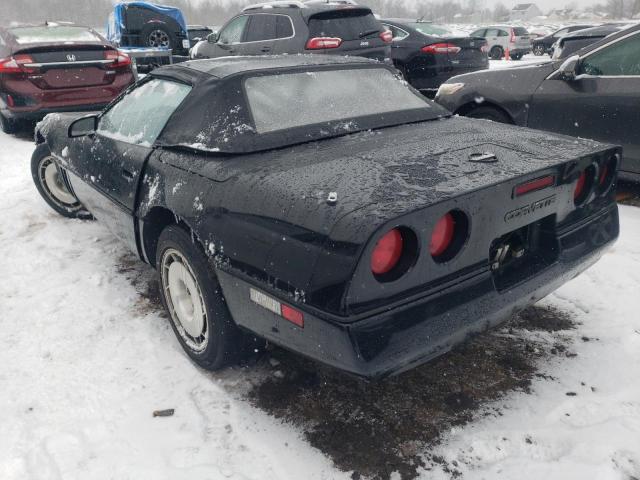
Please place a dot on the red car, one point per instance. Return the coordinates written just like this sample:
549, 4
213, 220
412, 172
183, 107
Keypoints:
57, 68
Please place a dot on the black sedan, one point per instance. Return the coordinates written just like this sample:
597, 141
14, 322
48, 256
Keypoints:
354, 222
593, 94
428, 55
543, 45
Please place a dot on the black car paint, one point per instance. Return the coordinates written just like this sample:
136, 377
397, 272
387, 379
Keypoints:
427, 71
602, 108
369, 46
264, 220
571, 43
546, 43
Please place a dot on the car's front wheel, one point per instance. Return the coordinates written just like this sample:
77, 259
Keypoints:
194, 300
516, 56
48, 180
8, 125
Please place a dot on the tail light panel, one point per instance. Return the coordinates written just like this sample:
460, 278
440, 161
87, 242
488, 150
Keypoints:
441, 48
321, 43
449, 236
16, 64
120, 59
394, 254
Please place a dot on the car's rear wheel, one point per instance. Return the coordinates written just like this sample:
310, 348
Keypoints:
489, 113
539, 50
194, 300
496, 53
158, 36
516, 56
48, 180
8, 125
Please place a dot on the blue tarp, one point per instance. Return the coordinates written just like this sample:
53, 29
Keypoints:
115, 25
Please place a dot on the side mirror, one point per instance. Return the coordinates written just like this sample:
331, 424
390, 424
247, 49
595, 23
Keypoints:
213, 37
83, 126
569, 69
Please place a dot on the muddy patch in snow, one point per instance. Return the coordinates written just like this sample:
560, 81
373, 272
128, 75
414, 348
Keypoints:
376, 428
145, 280
629, 194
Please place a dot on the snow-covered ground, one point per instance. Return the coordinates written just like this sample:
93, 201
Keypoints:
85, 360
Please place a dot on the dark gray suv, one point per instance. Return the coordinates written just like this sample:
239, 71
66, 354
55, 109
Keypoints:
339, 27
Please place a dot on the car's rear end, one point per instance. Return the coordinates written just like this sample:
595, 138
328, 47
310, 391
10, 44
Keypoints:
345, 29
519, 41
55, 68
444, 238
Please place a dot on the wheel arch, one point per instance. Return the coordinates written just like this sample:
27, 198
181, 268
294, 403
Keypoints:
467, 108
151, 226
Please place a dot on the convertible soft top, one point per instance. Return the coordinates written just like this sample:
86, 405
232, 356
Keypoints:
217, 117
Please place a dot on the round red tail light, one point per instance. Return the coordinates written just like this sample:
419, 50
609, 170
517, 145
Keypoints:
442, 236
579, 190
387, 252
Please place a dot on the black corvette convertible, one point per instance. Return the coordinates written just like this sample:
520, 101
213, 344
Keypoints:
325, 206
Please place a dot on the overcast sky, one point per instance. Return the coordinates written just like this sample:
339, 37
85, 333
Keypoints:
543, 4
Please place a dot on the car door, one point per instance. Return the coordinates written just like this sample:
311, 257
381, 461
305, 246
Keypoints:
108, 165
260, 34
602, 103
230, 39
401, 49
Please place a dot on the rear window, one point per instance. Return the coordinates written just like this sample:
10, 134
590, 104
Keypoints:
429, 29
24, 35
348, 24
326, 96
520, 31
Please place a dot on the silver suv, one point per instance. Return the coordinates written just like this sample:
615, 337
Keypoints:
501, 38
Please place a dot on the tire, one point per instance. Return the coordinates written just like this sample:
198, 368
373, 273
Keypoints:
496, 53
47, 178
539, 50
516, 57
194, 301
158, 36
8, 125
490, 113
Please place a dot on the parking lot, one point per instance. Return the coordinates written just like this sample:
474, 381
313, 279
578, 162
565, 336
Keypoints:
91, 356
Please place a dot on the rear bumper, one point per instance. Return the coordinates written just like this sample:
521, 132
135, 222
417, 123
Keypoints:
413, 333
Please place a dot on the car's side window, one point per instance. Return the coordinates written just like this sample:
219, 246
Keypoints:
232, 33
502, 33
397, 33
492, 32
261, 27
622, 59
559, 33
479, 33
284, 26
140, 115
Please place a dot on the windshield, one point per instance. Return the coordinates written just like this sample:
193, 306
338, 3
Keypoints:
429, 28
326, 96
50, 34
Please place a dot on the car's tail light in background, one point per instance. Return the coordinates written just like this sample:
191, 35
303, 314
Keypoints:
387, 252
120, 59
607, 175
387, 36
287, 312
584, 185
448, 236
441, 48
320, 43
16, 64
534, 185
513, 36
